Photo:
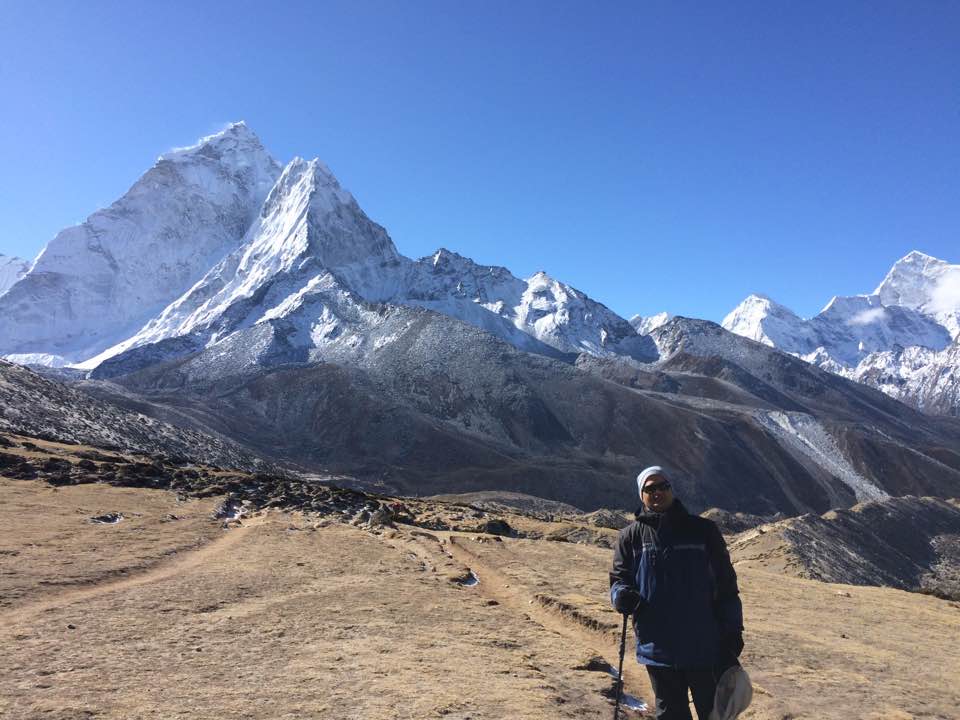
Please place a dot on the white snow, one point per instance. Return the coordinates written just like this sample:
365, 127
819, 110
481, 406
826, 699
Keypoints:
54, 361
96, 283
646, 325
898, 339
11, 270
809, 438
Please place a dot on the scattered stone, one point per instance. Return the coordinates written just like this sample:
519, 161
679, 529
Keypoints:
379, 518
99, 456
107, 519
56, 466
607, 519
497, 527
229, 509
594, 663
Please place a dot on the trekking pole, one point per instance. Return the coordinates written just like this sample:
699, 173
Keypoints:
623, 648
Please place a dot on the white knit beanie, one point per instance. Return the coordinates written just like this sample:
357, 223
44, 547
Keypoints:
647, 474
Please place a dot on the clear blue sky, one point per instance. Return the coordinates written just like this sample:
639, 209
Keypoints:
657, 155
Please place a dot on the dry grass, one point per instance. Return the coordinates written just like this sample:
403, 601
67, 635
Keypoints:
285, 617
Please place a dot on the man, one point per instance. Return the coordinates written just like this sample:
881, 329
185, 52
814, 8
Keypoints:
672, 573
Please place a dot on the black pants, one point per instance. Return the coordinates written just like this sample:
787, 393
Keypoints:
670, 688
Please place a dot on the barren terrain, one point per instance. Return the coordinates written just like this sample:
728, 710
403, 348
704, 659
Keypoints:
170, 613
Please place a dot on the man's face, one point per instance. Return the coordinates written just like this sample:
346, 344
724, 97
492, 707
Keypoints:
657, 494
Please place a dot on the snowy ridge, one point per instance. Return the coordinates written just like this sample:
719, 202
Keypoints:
901, 339
918, 376
540, 307
11, 270
925, 284
646, 325
760, 318
96, 283
308, 227
845, 331
310, 235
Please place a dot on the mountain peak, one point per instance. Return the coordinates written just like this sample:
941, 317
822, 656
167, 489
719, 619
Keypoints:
235, 139
908, 277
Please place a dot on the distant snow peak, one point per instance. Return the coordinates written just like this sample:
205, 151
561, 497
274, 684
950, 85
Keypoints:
925, 284
902, 339
646, 325
95, 284
760, 318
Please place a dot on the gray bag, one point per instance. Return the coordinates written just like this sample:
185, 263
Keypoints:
734, 693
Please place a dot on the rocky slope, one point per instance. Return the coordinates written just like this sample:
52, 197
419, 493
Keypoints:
427, 404
912, 543
38, 407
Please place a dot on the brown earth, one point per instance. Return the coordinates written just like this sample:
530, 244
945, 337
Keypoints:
168, 614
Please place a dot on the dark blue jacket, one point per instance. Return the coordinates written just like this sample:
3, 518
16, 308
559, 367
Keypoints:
680, 565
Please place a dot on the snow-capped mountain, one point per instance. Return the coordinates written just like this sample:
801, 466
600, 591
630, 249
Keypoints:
11, 270
308, 228
924, 378
97, 283
646, 325
901, 338
311, 258
539, 308
925, 284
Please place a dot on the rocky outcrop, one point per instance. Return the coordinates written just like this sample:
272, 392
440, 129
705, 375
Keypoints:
912, 543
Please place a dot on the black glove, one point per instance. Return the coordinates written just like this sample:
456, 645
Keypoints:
628, 601
734, 643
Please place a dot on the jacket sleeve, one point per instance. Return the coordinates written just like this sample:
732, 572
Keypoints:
726, 603
623, 572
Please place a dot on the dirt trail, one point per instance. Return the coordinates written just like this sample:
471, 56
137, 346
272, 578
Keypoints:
586, 638
165, 569
589, 639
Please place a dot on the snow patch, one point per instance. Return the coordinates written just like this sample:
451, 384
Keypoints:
44, 359
803, 433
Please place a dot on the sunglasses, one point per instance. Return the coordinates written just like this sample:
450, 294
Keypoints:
656, 487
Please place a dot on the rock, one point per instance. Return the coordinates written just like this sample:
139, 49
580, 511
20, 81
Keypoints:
379, 518
56, 466
497, 527
595, 663
229, 509
99, 456
107, 519
607, 519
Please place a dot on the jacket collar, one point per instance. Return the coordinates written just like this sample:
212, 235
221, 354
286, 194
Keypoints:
649, 517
